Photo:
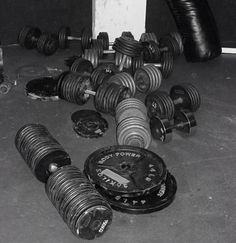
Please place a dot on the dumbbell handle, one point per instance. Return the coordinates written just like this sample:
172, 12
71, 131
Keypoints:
178, 125
108, 51
122, 63
228, 50
52, 167
162, 49
90, 92
178, 101
73, 38
155, 64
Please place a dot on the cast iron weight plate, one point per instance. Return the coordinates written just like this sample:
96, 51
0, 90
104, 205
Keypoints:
125, 170
91, 127
42, 89
155, 201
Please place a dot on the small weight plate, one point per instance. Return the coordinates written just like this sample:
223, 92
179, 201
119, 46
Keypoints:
91, 127
148, 203
44, 89
84, 114
125, 170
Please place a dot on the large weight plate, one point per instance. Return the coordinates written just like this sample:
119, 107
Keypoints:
149, 203
125, 170
44, 89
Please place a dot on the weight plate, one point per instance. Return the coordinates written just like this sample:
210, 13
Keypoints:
91, 127
160, 104
125, 170
148, 203
84, 114
63, 33
44, 89
105, 39
81, 65
161, 129
86, 37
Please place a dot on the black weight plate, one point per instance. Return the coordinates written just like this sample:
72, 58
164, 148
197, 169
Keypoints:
161, 129
91, 127
81, 65
84, 114
44, 88
86, 38
63, 34
123, 169
155, 201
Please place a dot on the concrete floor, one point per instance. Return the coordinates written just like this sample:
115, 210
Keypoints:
204, 165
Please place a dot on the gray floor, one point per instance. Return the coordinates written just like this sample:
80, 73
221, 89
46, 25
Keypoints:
204, 164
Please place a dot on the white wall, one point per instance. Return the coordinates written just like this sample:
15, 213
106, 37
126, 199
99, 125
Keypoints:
116, 16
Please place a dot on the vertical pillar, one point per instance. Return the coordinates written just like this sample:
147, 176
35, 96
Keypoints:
116, 16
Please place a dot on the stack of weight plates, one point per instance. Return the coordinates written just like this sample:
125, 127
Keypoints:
132, 123
133, 180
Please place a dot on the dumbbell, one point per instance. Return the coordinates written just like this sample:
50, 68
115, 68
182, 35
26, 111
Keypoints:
93, 56
183, 96
161, 129
82, 208
64, 36
47, 44
128, 47
103, 36
166, 64
77, 88
171, 43
28, 37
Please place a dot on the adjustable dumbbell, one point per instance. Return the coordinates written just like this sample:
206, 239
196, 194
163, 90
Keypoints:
65, 185
64, 36
128, 47
166, 64
185, 96
161, 129
47, 44
93, 56
28, 37
103, 36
